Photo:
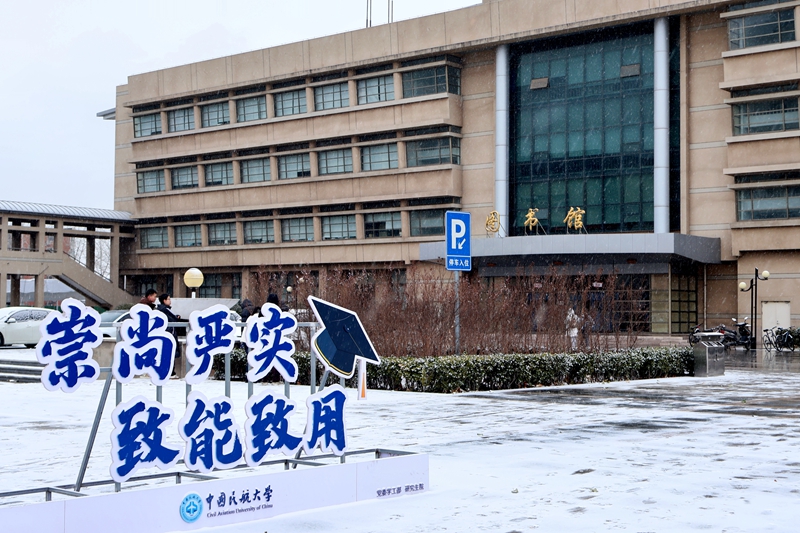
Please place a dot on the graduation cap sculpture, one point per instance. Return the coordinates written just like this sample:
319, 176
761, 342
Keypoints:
342, 339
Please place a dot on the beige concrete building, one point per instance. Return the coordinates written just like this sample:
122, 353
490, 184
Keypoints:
673, 124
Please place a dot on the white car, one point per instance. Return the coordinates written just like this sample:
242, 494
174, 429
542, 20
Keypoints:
110, 321
20, 325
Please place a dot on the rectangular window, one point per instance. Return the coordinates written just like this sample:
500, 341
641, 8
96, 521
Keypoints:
427, 222
377, 225
441, 151
219, 174
147, 125
768, 203
338, 227
254, 170
150, 181
254, 108
211, 287
154, 237
335, 161
215, 114
432, 80
188, 236
180, 119
331, 96
761, 28
259, 231
379, 157
765, 115
294, 166
290, 103
184, 177
297, 229
222, 233
380, 89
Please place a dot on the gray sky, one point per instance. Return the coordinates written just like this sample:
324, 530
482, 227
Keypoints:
61, 61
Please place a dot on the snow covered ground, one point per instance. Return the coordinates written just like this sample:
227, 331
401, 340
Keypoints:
682, 454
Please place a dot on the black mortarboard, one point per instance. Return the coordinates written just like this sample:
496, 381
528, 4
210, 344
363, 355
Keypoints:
342, 338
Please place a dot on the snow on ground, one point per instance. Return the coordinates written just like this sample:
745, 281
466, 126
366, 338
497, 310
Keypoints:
681, 454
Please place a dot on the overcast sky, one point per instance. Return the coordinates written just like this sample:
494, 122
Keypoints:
61, 61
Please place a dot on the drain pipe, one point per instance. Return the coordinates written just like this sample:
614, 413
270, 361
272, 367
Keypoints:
661, 127
501, 138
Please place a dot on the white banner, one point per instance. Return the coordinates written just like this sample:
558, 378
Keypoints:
195, 505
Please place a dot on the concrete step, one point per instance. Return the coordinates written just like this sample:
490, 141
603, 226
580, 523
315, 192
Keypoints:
19, 378
21, 363
21, 369
15, 371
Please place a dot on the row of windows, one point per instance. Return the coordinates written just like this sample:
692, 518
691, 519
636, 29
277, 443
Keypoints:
432, 80
765, 116
335, 227
437, 151
760, 29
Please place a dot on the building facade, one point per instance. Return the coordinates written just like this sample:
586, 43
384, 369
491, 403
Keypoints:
673, 125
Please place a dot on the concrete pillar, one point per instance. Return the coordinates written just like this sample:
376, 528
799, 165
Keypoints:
114, 259
15, 282
232, 112
90, 250
661, 127
246, 283
38, 290
3, 288
352, 91
198, 118
3, 238
356, 157
270, 106
398, 83
310, 103
201, 175
402, 162
237, 171
501, 109
314, 164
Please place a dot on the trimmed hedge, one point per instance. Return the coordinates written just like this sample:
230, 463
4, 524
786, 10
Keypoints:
462, 373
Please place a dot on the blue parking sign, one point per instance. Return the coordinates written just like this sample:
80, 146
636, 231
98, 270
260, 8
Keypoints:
457, 234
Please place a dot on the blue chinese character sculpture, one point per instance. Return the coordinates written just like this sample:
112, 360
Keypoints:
269, 347
67, 344
325, 427
212, 332
146, 347
138, 438
213, 439
267, 427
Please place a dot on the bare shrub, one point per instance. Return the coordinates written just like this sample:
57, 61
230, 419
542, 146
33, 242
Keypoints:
414, 314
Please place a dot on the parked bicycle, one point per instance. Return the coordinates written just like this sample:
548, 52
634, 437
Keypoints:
778, 339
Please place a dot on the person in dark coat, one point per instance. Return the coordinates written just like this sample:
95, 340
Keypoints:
165, 306
149, 298
247, 309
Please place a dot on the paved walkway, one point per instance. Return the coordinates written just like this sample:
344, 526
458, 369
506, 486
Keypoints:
682, 454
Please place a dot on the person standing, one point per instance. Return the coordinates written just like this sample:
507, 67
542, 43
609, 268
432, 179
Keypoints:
149, 298
165, 306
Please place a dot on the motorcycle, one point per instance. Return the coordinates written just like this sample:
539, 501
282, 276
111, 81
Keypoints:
740, 336
697, 331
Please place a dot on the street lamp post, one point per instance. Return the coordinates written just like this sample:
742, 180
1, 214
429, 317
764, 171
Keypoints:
289, 296
193, 278
753, 289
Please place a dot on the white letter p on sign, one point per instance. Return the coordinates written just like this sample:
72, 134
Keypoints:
459, 230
